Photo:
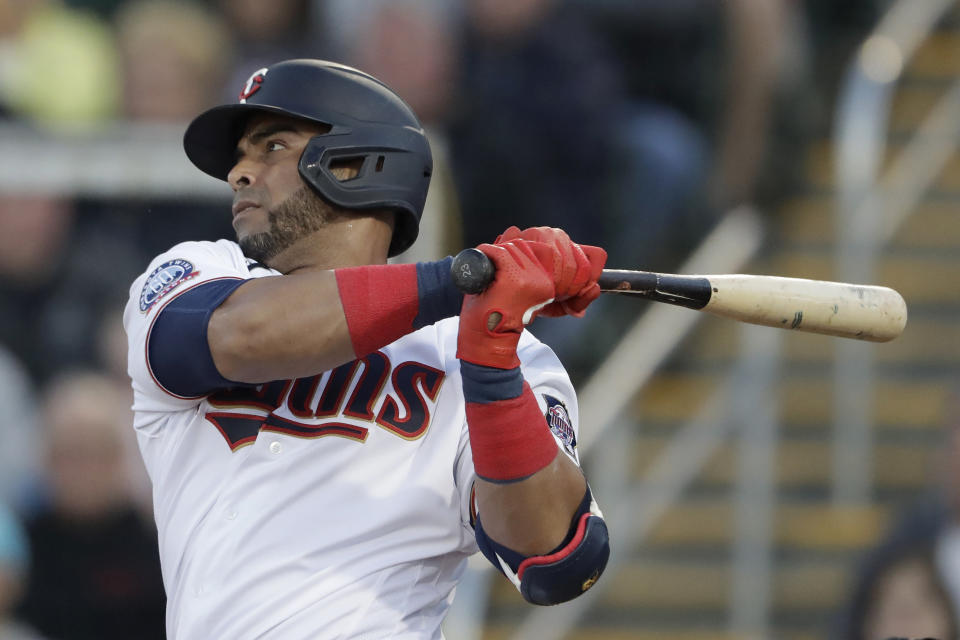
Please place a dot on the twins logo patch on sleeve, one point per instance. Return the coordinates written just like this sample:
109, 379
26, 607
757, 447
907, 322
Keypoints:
163, 280
559, 421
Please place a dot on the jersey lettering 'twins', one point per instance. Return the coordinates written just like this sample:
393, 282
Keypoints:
404, 412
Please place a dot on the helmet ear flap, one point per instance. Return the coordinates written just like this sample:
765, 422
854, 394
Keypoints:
389, 176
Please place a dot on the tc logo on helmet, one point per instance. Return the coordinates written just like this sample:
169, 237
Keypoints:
253, 84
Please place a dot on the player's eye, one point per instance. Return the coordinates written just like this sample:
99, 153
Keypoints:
275, 145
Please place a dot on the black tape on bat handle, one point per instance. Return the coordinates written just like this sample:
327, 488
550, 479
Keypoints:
472, 271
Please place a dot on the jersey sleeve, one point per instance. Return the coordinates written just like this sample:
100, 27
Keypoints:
183, 268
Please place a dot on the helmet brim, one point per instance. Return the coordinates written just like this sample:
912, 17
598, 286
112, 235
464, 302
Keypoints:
210, 141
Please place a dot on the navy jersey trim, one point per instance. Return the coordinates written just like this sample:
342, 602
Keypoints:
178, 354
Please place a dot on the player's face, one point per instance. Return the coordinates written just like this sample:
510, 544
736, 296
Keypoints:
272, 207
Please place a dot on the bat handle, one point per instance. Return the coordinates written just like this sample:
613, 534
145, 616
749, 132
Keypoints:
472, 271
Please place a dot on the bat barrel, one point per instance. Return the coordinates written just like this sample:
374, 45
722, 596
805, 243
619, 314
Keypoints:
877, 314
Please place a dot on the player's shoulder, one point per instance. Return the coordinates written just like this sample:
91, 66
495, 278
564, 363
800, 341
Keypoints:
224, 250
183, 265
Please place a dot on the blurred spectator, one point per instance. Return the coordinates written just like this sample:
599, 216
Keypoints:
900, 591
12, 17
546, 134
736, 71
63, 265
411, 46
111, 343
103, 8
35, 228
58, 66
33, 253
19, 455
909, 585
533, 132
836, 29
175, 57
14, 555
268, 32
754, 34
95, 565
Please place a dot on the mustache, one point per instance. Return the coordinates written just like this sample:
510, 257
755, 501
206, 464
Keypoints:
250, 194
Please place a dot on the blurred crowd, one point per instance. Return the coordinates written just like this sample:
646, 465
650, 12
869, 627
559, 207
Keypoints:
632, 124
909, 583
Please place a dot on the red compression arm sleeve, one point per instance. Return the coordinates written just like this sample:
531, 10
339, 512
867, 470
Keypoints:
508, 432
510, 438
380, 303
385, 302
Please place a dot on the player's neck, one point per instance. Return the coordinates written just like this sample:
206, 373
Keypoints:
349, 242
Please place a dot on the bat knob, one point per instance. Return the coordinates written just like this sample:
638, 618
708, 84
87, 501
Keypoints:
472, 271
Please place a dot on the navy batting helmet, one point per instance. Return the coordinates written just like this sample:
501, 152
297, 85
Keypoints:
367, 121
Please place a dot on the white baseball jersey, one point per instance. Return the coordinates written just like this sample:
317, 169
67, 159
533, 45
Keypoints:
335, 506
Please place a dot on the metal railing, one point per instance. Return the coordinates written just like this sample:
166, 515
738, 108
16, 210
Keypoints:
871, 208
117, 159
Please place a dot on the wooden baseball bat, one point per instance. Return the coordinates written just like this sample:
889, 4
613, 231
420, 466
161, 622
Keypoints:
864, 312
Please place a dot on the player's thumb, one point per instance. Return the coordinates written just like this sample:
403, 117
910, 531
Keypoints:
597, 258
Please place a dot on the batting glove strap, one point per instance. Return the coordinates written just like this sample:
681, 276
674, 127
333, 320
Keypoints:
383, 303
510, 438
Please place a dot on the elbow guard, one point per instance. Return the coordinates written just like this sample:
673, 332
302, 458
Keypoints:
564, 573
567, 573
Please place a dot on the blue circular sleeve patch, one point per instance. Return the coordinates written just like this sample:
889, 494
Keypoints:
163, 280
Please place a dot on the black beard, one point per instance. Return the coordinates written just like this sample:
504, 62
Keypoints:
301, 214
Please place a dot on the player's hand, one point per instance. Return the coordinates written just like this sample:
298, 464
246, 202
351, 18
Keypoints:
575, 272
491, 322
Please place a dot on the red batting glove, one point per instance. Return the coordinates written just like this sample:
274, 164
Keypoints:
575, 273
491, 322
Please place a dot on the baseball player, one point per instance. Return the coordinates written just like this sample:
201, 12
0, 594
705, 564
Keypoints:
329, 436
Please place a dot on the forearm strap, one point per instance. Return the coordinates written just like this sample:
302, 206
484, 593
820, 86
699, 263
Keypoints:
383, 303
508, 432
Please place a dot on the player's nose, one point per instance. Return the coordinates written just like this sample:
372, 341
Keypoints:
242, 174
